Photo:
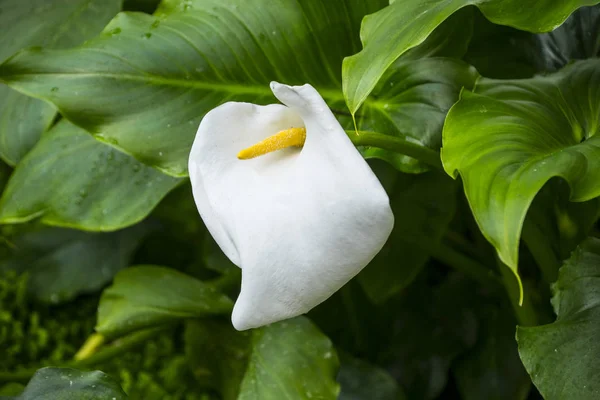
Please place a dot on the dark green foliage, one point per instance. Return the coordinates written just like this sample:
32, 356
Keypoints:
105, 264
33, 334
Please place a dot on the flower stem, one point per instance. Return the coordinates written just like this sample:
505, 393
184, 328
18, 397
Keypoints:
90, 346
398, 145
111, 350
118, 347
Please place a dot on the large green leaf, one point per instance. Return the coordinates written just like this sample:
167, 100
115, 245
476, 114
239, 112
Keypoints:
51, 24
63, 263
290, 360
389, 33
148, 81
71, 180
450, 39
147, 296
510, 137
562, 357
144, 84
424, 204
70, 384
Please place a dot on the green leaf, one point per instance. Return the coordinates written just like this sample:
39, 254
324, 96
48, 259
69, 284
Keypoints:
290, 360
50, 24
510, 137
70, 384
562, 357
285, 360
63, 263
411, 102
202, 54
450, 39
492, 369
424, 204
71, 180
218, 355
147, 296
150, 107
360, 380
22, 121
389, 33
296, 42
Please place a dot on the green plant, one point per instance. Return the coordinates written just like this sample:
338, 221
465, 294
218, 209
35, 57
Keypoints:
481, 120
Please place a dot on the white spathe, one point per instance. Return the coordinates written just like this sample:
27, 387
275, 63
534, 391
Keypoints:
300, 223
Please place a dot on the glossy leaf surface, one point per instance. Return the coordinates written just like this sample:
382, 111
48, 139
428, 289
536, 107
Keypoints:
71, 180
509, 138
49, 24
147, 296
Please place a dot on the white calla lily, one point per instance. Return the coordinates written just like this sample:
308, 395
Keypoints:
299, 222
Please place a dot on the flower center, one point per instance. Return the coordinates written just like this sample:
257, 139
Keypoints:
281, 140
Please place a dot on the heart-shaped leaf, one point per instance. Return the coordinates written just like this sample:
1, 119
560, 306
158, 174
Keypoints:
71, 180
389, 33
50, 24
147, 296
562, 357
510, 137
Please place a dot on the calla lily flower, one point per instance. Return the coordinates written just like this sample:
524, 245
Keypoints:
289, 200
